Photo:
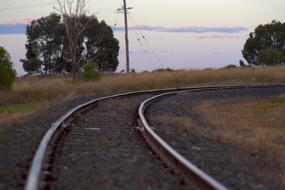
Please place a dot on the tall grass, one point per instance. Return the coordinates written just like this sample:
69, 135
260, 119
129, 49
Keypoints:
39, 89
256, 126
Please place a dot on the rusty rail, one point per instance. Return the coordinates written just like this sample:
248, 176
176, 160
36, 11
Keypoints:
35, 172
169, 155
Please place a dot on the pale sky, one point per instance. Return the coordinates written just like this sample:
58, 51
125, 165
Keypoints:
165, 12
170, 25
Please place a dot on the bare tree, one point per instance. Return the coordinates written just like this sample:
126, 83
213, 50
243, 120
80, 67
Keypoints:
73, 12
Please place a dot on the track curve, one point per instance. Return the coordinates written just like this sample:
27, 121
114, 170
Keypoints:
154, 132
67, 120
170, 155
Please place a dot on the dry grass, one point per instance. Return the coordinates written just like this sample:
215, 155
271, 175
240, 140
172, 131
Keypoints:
36, 89
44, 90
9, 119
181, 124
256, 126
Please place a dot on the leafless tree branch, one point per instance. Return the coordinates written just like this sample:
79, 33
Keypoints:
72, 12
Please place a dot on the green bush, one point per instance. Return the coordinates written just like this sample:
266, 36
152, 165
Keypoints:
163, 70
7, 73
91, 72
230, 67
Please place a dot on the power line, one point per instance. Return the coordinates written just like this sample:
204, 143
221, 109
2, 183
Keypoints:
117, 19
143, 49
148, 44
120, 4
17, 18
126, 37
125, 9
24, 6
47, 3
28, 16
141, 44
103, 11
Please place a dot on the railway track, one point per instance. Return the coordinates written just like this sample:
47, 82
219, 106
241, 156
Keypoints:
66, 143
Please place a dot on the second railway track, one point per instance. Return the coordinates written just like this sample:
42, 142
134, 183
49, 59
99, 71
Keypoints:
101, 150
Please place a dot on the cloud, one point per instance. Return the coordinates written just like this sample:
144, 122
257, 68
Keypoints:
16, 26
22, 21
191, 29
19, 27
218, 37
12, 28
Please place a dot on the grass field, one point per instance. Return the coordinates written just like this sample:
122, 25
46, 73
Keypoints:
41, 91
255, 125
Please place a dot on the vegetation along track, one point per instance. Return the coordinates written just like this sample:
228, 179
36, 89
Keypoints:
100, 150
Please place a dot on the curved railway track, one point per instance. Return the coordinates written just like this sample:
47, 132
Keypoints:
56, 138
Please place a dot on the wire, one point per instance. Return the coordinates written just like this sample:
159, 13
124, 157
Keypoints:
143, 49
101, 36
120, 4
24, 6
104, 11
148, 44
116, 22
17, 18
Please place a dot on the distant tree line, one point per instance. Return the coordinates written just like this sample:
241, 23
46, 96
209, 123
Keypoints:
48, 50
266, 45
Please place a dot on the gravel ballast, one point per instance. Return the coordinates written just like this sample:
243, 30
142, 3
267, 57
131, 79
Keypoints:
104, 151
19, 142
212, 156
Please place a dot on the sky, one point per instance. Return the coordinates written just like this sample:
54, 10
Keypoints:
180, 34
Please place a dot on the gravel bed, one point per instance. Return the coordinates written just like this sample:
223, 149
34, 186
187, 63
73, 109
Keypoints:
103, 151
213, 157
19, 142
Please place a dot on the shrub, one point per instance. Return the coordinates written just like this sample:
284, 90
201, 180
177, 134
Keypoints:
163, 70
7, 73
230, 67
91, 72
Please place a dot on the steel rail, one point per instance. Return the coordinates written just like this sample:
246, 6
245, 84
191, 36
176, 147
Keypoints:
170, 155
34, 175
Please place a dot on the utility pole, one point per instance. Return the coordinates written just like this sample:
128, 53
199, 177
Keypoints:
125, 9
